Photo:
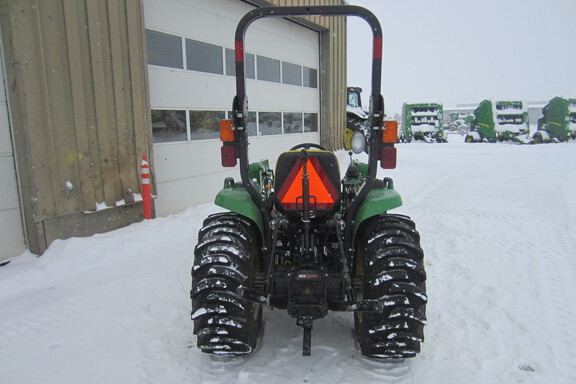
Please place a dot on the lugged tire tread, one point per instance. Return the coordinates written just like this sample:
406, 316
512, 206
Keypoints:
394, 273
223, 260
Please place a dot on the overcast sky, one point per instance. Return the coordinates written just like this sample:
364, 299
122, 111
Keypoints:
458, 51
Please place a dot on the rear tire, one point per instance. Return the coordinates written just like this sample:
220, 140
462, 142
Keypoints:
391, 266
227, 255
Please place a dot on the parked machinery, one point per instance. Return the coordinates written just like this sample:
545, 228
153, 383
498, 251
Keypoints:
558, 122
423, 122
499, 120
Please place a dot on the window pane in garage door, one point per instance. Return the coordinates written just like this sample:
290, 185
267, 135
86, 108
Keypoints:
164, 49
168, 126
310, 77
204, 57
231, 64
310, 122
270, 123
268, 69
250, 122
292, 123
291, 73
205, 124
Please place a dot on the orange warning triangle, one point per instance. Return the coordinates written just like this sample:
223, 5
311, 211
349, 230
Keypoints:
317, 187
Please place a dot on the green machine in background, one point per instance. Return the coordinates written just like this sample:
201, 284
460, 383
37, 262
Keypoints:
423, 122
459, 122
558, 122
499, 120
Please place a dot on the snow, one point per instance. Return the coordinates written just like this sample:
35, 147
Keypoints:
516, 128
424, 128
498, 229
356, 110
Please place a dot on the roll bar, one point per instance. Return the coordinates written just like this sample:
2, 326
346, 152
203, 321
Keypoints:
240, 104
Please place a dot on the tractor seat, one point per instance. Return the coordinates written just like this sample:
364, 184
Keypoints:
323, 176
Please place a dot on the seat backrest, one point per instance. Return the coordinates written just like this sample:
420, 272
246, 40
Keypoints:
323, 176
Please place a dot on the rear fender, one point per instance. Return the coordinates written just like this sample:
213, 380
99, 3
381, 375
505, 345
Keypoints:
239, 201
377, 201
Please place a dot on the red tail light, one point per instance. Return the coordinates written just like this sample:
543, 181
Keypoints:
388, 158
228, 153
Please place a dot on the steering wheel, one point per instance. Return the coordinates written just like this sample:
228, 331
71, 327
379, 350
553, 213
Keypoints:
308, 146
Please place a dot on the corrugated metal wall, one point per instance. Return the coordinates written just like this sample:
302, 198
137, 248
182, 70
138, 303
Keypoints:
333, 80
79, 108
77, 85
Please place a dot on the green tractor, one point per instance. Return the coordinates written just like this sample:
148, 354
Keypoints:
423, 122
356, 117
502, 120
304, 240
558, 122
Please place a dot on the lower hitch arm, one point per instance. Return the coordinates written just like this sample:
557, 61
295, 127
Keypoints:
306, 325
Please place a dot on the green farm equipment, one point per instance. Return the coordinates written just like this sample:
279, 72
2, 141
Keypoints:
423, 122
502, 120
356, 116
305, 240
558, 122
459, 122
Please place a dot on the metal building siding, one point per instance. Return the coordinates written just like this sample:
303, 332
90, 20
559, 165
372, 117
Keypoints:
79, 106
333, 80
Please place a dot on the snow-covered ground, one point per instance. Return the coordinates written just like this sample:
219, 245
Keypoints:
498, 226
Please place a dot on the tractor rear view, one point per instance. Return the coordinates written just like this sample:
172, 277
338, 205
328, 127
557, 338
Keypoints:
303, 240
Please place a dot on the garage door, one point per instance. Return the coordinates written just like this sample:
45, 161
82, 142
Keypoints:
11, 230
191, 75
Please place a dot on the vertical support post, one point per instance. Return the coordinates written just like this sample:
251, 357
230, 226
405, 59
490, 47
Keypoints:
146, 196
306, 203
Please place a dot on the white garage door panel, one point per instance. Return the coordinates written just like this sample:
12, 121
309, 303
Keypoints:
11, 234
11, 230
268, 41
178, 161
181, 185
271, 97
8, 189
189, 173
215, 22
173, 88
203, 20
263, 148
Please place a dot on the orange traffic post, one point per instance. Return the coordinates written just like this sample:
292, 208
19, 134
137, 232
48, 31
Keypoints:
146, 196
